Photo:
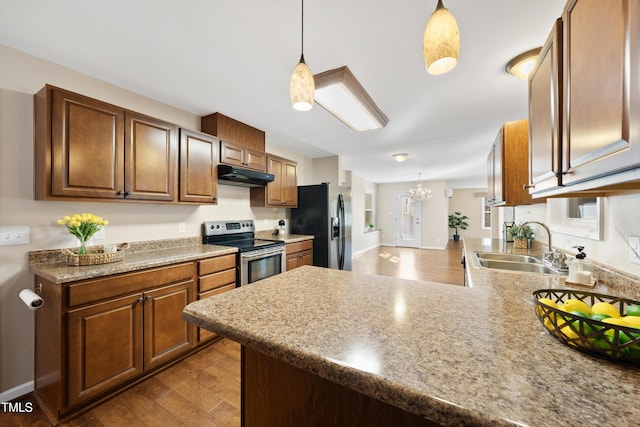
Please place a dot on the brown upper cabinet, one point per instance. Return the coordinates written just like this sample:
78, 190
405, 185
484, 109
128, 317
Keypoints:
507, 166
283, 191
240, 144
599, 102
88, 149
545, 115
198, 167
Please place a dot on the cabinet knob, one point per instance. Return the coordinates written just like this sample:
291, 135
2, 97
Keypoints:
119, 192
140, 299
127, 193
148, 297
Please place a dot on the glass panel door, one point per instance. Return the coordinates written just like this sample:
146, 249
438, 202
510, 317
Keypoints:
408, 214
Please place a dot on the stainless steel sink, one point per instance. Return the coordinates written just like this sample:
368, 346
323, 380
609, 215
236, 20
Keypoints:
512, 262
526, 267
508, 257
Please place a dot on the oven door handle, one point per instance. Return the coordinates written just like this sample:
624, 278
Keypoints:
261, 254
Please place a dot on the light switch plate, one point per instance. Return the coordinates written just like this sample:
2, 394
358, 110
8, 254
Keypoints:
634, 243
18, 235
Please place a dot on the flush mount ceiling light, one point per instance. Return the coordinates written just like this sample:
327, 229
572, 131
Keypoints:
441, 45
301, 87
420, 193
339, 92
400, 157
523, 64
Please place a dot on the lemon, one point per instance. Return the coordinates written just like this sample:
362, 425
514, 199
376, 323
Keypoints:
619, 321
633, 310
633, 321
576, 305
605, 308
549, 302
568, 332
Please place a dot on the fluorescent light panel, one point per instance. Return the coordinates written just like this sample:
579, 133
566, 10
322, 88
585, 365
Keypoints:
340, 93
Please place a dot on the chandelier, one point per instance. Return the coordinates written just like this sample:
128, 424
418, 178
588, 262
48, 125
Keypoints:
420, 193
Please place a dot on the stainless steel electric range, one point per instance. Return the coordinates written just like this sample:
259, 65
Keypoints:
257, 258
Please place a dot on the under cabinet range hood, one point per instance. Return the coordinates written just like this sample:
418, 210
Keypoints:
232, 175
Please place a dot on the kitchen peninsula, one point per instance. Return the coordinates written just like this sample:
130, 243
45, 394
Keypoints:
343, 346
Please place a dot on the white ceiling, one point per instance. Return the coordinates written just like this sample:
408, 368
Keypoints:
236, 57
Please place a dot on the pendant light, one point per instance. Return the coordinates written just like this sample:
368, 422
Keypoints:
302, 85
441, 41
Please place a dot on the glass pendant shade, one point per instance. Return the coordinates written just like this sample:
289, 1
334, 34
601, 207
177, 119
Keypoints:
302, 87
441, 45
420, 193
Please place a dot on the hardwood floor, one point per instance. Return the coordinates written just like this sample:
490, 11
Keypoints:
201, 390
417, 264
204, 389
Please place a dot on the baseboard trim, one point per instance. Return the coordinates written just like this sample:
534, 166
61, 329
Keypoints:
365, 250
17, 391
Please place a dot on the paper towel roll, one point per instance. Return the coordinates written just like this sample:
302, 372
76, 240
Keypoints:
31, 299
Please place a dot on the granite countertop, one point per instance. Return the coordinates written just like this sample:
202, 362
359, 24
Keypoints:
456, 355
51, 264
286, 238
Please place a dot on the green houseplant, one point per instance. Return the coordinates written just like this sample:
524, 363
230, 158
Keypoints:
458, 221
523, 239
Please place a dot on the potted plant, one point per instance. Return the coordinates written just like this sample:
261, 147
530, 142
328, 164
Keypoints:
523, 239
371, 226
458, 221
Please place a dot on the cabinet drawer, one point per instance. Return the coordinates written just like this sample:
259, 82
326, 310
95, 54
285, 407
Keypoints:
99, 289
213, 265
217, 291
299, 246
216, 280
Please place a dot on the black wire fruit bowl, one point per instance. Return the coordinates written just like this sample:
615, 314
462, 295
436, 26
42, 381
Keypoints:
591, 322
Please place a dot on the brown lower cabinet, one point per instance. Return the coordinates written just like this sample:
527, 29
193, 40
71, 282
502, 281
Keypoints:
95, 337
299, 254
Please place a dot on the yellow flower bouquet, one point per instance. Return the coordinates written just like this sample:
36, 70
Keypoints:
83, 226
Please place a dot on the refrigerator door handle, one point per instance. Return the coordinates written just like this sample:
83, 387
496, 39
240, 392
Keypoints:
341, 245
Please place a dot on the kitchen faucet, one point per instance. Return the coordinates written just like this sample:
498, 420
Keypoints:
554, 258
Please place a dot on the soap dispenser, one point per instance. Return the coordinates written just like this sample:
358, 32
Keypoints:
581, 269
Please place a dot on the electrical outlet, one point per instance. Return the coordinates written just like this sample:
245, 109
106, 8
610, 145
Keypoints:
181, 227
634, 249
14, 235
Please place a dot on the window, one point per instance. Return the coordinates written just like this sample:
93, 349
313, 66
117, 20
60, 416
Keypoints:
369, 218
486, 214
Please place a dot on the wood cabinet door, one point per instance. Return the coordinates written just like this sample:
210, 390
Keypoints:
545, 115
498, 163
151, 161
491, 194
87, 137
275, 189
231, 154
292, 261
305, 258
198, 167
601, 88
105, 346
290, 184
166, 335
256, 160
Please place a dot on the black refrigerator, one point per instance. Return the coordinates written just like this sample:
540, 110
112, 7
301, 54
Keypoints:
324, 211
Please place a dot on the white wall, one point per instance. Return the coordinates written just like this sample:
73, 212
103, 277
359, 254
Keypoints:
21, 76
361, 241
434, 225
468, 201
